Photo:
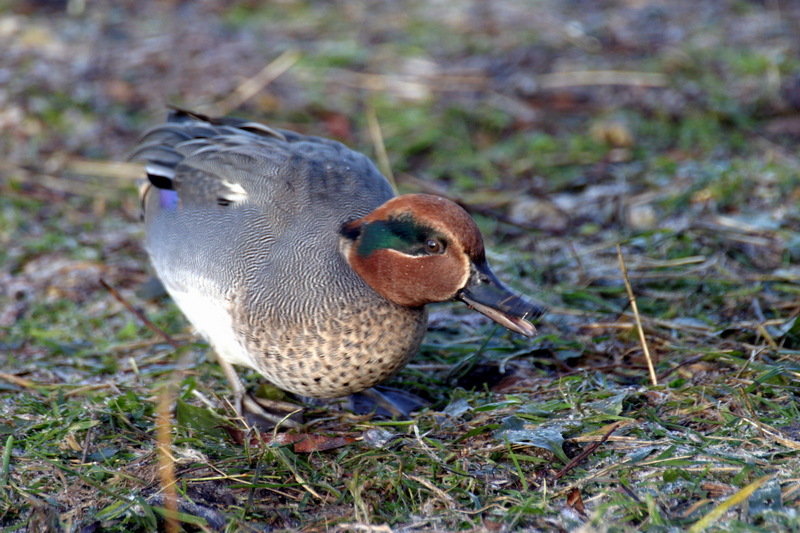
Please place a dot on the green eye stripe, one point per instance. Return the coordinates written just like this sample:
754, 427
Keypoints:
402, 234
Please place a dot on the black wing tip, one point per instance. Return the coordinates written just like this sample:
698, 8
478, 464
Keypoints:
161, 182
181, 114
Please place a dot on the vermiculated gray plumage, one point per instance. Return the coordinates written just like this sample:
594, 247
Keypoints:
242, 227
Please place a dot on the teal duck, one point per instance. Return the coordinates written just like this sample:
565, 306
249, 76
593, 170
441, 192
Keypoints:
292, 256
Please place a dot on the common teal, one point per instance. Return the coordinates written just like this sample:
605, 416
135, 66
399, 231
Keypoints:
292, 256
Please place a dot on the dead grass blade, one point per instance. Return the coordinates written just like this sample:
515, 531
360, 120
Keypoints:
250, 87
635, 308
558, 80
166, 460
380, 148
117, 170
741, 496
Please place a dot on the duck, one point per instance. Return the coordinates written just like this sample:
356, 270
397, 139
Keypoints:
292, 256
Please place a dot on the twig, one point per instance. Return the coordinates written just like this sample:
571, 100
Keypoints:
635, 308
629, 492
164, 335
589, 450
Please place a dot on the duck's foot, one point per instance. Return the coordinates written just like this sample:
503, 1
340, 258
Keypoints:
260, 413
387, 402
264, 414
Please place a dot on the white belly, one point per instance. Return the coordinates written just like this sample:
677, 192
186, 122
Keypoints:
213, 321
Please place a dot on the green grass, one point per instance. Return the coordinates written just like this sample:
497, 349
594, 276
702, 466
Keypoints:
702, 198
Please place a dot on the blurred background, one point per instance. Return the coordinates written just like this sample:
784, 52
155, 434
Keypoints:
449, 82
563, 126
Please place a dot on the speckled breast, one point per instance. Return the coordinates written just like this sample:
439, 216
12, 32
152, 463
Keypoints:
349, 350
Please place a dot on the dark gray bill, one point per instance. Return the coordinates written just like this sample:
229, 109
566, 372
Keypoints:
487, 295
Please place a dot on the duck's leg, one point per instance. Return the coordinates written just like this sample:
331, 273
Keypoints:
387, 401
258, 412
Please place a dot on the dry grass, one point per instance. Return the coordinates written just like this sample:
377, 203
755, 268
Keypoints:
577, 134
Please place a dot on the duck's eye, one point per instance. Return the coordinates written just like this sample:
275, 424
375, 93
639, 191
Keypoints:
434, 246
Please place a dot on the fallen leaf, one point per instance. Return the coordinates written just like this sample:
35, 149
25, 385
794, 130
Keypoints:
575, 501
301, 442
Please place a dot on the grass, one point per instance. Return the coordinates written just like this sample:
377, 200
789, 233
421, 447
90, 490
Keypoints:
563, 432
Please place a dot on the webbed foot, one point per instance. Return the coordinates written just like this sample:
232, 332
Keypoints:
386, 401
260, 413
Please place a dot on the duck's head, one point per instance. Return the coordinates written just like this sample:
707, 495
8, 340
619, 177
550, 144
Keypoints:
418, 249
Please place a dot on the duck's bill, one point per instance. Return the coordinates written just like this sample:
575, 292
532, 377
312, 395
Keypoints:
487, 295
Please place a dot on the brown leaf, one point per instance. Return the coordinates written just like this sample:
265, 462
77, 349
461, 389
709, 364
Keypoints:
302, 442
717, 490
491, 525
307, 443
236, 435
575, 501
